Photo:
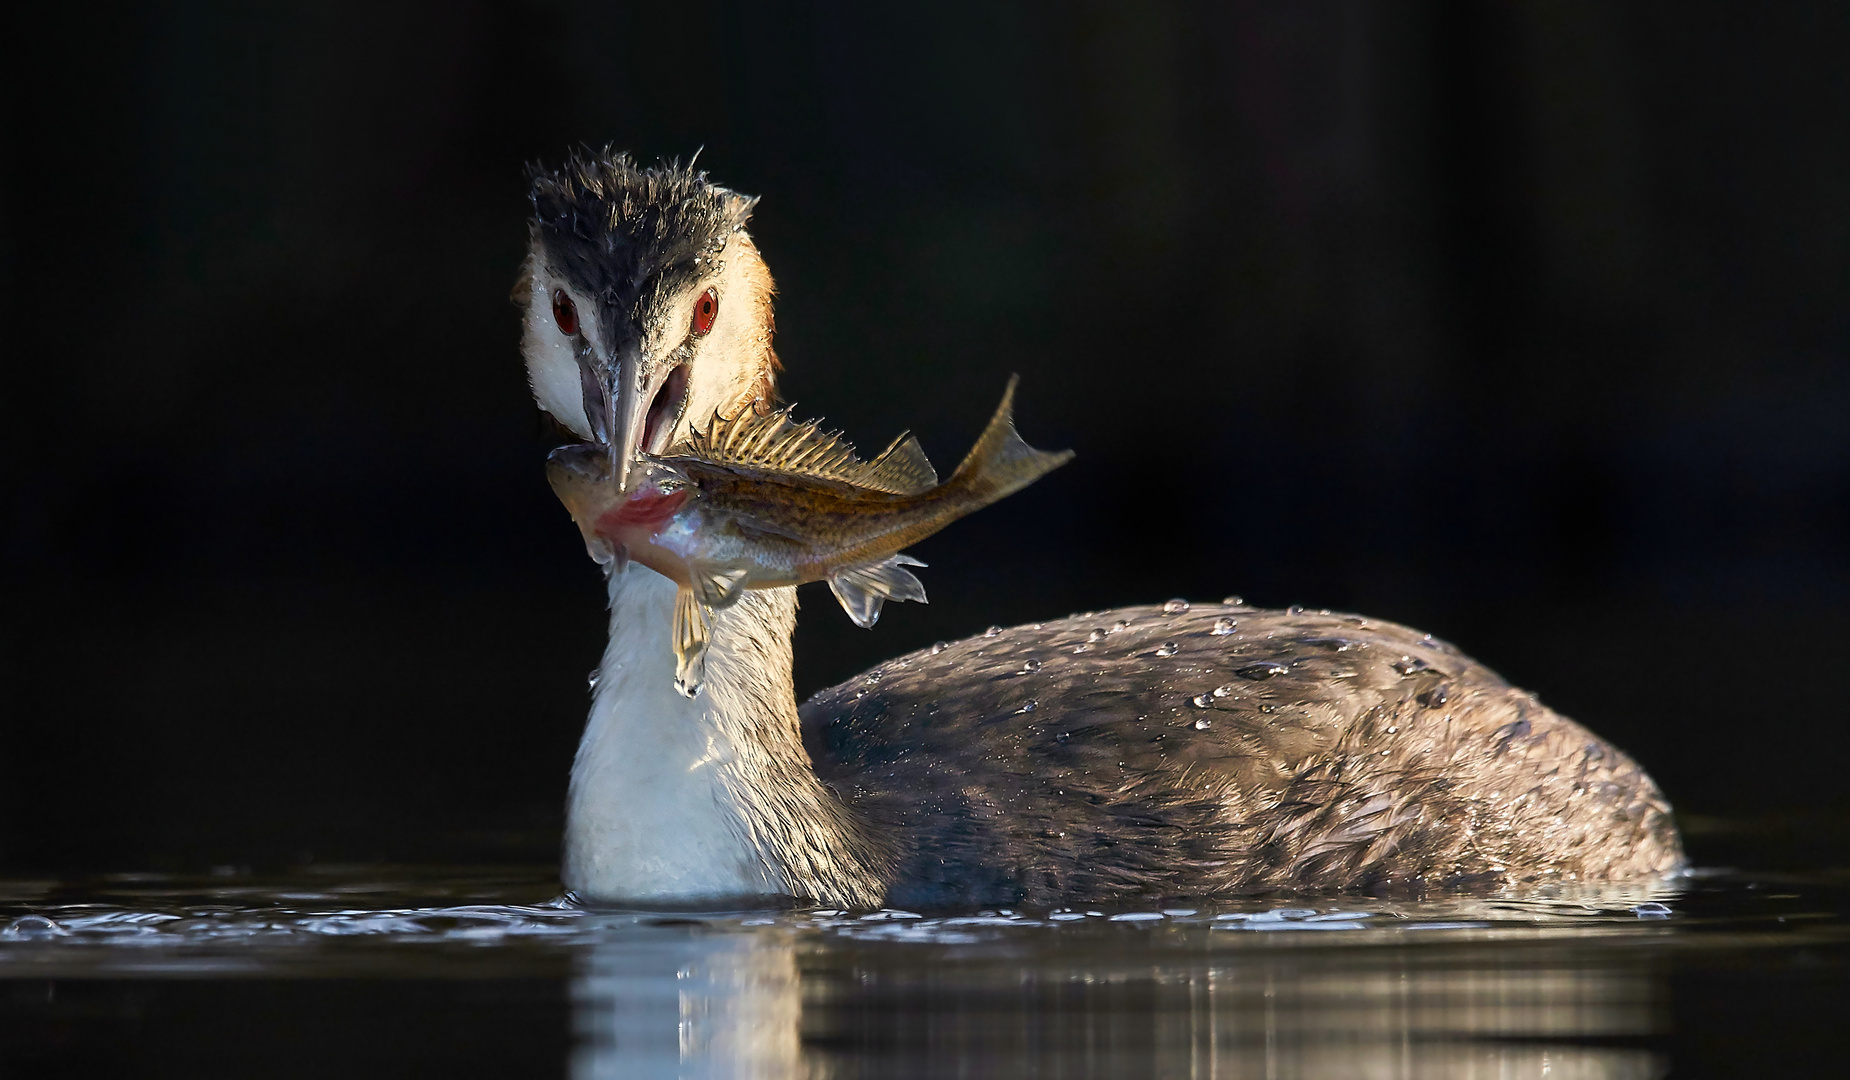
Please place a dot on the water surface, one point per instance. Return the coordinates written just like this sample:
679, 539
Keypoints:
470, 971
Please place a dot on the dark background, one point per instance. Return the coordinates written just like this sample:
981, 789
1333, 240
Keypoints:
1525, 324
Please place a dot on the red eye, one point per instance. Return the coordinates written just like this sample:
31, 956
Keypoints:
704, 309
564, 312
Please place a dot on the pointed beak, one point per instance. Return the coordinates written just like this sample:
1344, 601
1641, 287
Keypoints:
629, 405
645, 401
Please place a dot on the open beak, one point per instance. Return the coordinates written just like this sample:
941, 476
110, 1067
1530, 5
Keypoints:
644, 405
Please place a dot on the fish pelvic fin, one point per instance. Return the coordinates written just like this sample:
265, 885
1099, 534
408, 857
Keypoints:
1000, 463
778, 443
862, 589
717, 585
693, 629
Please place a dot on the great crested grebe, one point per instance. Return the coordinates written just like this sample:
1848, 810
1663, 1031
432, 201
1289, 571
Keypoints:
1170, 750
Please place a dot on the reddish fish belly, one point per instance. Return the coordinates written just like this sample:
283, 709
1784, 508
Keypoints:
634, 523
641, 511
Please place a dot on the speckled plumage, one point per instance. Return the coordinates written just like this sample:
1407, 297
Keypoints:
1086, 758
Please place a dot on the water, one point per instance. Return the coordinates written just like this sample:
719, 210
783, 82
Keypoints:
399, 971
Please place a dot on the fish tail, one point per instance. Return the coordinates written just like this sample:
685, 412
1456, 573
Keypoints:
1000, 463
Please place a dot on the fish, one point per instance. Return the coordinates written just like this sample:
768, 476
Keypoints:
765, 502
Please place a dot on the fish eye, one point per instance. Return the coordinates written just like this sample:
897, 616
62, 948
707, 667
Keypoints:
564, 312
704, 310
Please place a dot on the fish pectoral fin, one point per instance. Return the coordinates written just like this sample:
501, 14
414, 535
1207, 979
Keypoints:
862, 589
692, 630
717, 585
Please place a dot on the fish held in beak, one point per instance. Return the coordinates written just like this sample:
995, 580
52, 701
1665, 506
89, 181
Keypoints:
762, 502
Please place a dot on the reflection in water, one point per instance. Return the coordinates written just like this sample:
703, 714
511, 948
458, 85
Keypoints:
1572, 984
710, 1002
689, 1004
1269, 1017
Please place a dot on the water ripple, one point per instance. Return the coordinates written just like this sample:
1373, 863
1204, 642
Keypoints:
246, 922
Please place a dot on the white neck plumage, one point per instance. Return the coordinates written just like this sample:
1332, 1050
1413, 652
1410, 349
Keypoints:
710, 800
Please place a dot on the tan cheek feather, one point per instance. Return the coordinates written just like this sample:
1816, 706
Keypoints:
745, 376
761, 393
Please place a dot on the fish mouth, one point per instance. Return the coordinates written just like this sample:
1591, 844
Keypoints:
585, 462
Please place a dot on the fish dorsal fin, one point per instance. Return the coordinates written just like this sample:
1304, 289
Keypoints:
901, 468
781, 444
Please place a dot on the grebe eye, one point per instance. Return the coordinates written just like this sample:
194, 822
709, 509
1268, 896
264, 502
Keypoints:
704, 309
564, 312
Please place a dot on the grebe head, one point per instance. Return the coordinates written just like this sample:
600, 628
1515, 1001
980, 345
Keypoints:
647, 307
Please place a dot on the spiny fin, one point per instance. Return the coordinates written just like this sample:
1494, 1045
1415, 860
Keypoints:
1000, 463
902, 468
692, 631
862, 589
718, 585
781, 444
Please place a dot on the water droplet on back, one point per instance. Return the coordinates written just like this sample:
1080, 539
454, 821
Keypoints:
1175, 607
938, 647
1223, 691
1203, 724
992, 631
1264, 669
1236, 600
1121, 624
1201, 701
1030, 665
1223, 626
1334, 644
1295, 609
1168, 648
1096, 636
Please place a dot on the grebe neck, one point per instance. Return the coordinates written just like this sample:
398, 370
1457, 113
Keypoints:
712, 799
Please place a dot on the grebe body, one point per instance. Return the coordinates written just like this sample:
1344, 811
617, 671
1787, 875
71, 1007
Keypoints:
1165, 751
1218, 750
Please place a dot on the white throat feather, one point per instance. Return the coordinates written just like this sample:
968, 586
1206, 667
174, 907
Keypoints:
678, 801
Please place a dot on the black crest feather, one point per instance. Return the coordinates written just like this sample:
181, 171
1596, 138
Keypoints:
613, 227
